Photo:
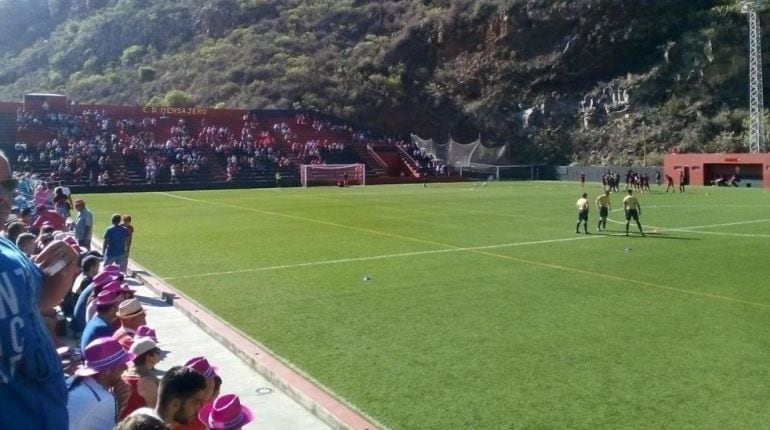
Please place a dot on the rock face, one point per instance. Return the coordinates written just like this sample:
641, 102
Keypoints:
595, 81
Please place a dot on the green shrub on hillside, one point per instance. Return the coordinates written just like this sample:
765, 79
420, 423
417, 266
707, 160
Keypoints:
146, 74
131, 55
178, 98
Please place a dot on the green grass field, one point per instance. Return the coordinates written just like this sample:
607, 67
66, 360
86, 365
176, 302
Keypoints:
483, 309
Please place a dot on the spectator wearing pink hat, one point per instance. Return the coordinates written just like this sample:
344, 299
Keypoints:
91, 404
81, 306
112, 268
180, 397
140, 377
225, 413
131, 315
202, 366
106, 314
147, 331
125, 293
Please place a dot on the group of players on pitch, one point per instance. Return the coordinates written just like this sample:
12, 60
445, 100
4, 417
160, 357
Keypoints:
631, 208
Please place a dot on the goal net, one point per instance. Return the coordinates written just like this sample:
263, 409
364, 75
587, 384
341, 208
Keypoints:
497, 173
332, 174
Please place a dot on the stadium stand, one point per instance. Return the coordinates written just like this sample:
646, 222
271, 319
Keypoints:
115, 148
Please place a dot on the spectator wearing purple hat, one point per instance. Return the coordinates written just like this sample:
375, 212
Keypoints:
202, 366
112, 268
225, 413
99, 281
106, 314
180, 397
147, 331
125, 293
91, 405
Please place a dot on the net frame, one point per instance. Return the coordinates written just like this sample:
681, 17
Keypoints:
504, 172
333, 174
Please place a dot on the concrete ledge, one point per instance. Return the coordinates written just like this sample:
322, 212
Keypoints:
301, 388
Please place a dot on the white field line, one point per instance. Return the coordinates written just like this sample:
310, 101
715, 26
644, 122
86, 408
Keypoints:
696, 228
380, 257
482, 250
310, 220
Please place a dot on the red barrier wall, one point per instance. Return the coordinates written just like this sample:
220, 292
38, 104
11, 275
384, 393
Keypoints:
697, 167
393, 162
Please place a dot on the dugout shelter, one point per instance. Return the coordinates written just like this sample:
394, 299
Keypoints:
701, 169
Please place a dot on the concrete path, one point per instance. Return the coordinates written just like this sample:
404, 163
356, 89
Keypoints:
281, 396
183, 339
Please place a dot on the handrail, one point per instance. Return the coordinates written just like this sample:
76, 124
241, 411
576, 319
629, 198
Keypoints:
406, 155
376, 157
410, 162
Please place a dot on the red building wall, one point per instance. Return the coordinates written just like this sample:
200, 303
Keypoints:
700, 167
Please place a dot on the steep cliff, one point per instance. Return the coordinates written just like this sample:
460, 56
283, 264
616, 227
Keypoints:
592, 81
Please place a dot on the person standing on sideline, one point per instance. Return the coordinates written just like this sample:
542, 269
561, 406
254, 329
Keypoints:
682, 181
582, 207
33, 394
84, 224
603, 203
115, 239
582, 180
670, 184
633, 210
130, 227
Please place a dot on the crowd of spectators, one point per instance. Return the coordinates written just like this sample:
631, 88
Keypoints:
251, 150
79, 148
176, 159
324, 142
62, 293
82, 146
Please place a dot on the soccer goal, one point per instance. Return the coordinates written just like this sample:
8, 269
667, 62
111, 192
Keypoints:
498, 173
332, 174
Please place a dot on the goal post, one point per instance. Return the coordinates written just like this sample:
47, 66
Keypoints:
332, 174
497, 173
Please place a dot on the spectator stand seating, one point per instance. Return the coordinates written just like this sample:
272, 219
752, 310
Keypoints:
134, 146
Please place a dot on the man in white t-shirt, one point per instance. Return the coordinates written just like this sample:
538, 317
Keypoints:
91, 405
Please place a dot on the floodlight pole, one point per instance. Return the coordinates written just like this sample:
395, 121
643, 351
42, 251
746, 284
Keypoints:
756, 98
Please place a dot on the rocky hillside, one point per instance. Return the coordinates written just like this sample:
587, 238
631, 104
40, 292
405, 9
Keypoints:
594, 81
